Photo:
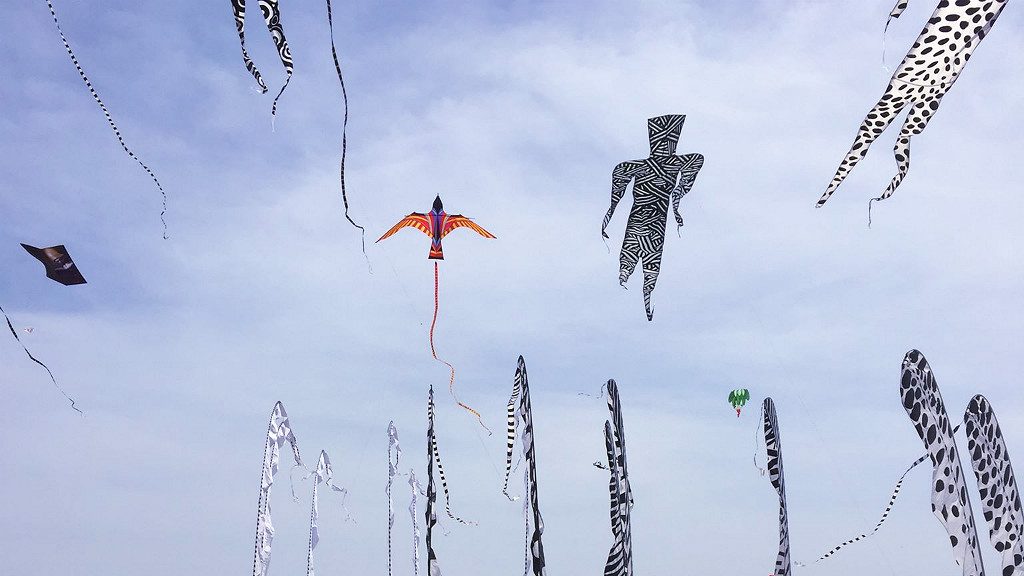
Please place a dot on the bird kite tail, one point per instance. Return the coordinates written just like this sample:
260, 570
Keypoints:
451, 378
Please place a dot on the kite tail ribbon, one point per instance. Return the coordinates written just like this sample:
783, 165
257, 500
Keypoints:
36, 360
415, 487
451, 379
279, 431
110, 119
344, 137
435, 456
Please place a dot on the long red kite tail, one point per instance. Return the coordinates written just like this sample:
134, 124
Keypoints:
451, 379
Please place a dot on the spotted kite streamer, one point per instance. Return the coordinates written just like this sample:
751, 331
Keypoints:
433, 567
279, 431
773, 447
344, 130
272, 17
394, 456
323, 474
950, 503
997, 486
110, 119
927, 72
520, 409
36, 360
620, 556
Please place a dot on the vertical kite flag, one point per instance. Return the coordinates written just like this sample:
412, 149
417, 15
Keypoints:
997, 486
950, 503
279, 431
926, 73
773, 444
520, 409
655, 179
323, 474
620, 556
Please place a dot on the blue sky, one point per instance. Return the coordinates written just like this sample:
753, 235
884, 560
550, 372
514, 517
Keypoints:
177, 349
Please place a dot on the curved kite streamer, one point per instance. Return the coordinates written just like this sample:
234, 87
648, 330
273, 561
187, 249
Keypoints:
773, 447
344, 129
997, 486
437, 224
279, 431
620, 556
534, 555
37, 361
110, 120
656, 179
323, 474
927, 72
272, 16
950, 503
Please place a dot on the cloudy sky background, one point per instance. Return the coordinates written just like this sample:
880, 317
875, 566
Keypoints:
515, 113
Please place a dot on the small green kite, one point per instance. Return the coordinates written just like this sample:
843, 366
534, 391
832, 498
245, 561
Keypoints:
738, 398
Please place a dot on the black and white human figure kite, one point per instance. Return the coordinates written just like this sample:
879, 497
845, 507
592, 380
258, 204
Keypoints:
926, 73
59, 265
773, 447
620, 556
656, 179
519, 409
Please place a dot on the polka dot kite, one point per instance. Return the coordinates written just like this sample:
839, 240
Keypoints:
926, 73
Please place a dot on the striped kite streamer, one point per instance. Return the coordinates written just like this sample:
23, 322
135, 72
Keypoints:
520, 409
620, 556
773, 447
272, 15
110, 119
36, 360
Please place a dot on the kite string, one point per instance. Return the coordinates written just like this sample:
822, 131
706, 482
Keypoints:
344, 136
433, 352
110, 120
36, 360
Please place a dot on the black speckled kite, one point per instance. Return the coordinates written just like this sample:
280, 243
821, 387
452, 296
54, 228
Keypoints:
773, 446
926, 73
657, 178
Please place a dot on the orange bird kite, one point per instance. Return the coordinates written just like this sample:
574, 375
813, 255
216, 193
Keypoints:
437, 224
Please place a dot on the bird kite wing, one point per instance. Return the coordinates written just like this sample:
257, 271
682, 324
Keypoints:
415, 220
453, 221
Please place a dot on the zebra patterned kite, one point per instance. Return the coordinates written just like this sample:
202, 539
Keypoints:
620, 556
656, 179
926, 73
110, 119
279, 431
323, 474
950, 503
438, 224
773, 445
14, 333
59, 265
519, 409
997, 486
272, 16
